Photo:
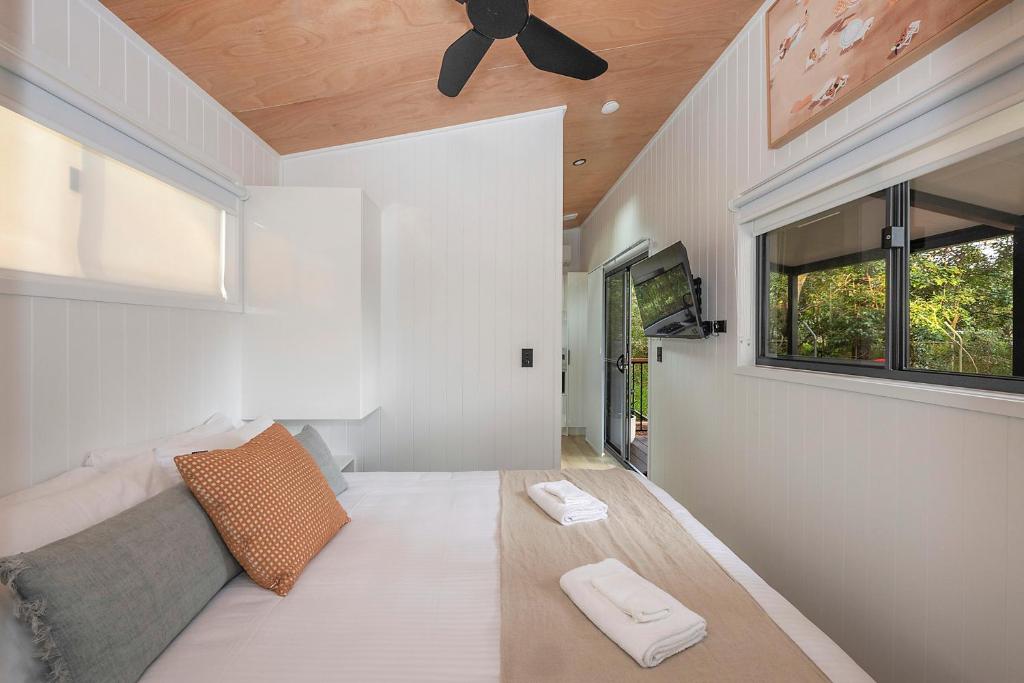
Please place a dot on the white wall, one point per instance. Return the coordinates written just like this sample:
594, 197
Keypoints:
573, 238
75, 375
83, 46
575, 341
594, 369
897, 526
472, 240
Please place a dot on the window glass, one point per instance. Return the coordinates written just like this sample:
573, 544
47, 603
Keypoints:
68, 211
827, 286
956, 287
778, 314
615, 303
964, 222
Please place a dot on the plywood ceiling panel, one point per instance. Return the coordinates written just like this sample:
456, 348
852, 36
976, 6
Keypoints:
307, 74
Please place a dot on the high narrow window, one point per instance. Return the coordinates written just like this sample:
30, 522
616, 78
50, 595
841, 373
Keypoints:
924, 281
67, 211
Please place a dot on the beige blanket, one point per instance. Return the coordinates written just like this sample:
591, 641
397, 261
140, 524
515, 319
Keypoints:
544, 637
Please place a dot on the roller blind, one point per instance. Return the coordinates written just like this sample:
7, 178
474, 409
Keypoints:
817, 193
68, 211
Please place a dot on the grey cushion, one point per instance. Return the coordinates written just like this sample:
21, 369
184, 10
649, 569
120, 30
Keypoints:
18, 663
104, 603
311, 440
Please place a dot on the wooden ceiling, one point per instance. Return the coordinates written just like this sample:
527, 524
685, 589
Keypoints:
306, 74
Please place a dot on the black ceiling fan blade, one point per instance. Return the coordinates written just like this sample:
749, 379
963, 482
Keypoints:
549, 49
460, 61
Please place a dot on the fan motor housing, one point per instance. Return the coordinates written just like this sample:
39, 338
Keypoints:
498, 18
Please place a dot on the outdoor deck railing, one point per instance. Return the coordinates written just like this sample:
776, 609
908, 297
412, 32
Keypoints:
640, 393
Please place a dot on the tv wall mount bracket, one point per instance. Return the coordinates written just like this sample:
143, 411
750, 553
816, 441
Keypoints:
711, 327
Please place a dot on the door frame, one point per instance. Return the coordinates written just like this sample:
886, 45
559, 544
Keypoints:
626, 265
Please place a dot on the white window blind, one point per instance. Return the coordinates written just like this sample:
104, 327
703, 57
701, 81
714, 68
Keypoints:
70, 212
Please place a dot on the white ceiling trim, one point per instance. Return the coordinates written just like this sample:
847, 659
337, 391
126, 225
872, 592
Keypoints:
418, 134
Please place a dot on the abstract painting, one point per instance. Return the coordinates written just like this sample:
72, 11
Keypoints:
824, 54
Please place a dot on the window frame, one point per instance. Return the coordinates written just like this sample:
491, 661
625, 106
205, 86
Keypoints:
898, 205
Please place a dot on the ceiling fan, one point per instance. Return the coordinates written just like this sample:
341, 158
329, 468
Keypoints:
547, 48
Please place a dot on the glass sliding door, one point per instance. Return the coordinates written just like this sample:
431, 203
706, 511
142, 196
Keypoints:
626, 402
639, 388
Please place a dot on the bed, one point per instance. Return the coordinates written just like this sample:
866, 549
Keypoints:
410, 592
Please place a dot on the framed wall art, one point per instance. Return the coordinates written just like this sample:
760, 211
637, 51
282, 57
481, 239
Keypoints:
824, 54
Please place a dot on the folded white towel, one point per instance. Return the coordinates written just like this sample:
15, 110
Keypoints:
638, 598
589, 509
567, 492
648, 643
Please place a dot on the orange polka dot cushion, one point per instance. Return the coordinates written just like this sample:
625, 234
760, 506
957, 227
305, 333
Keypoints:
269, 502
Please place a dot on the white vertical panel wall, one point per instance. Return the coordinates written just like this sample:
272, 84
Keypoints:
898, 527
84, 46
572, 241
471, 273
76, 375
575, 343
593, 358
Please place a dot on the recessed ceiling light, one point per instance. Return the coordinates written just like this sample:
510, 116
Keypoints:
610, 107
570, 217
579, 162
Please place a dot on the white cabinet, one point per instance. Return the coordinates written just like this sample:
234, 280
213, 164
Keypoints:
312, 304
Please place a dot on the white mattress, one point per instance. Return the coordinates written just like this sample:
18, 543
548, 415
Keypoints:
407, 592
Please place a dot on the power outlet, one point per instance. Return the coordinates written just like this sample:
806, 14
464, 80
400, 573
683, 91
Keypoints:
527, 358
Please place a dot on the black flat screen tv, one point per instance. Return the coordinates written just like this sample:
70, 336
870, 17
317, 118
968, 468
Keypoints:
668, 295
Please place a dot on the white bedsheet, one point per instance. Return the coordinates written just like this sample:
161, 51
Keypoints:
407, 592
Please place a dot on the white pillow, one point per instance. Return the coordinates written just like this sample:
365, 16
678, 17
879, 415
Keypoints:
251, 430
61, 482
165, 455
53, 510
31, 524
106, 458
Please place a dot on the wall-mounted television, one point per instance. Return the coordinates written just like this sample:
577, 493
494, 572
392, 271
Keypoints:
669, 296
